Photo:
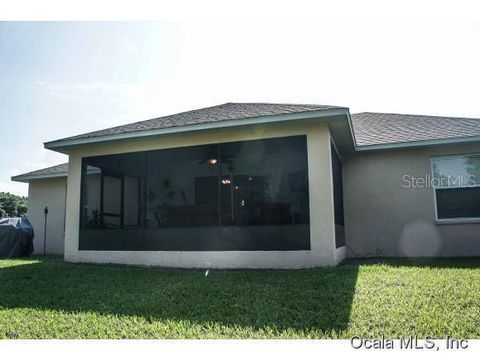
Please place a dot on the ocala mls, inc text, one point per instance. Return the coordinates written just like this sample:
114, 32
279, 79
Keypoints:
409, 343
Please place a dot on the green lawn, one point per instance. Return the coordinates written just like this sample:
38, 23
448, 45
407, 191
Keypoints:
47, 298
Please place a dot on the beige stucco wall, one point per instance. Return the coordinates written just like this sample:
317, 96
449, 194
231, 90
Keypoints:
384, 218
51, 193
322, 251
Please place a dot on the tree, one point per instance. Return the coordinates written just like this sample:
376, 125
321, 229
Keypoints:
12, 205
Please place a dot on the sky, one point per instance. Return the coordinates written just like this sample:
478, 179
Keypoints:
59, 79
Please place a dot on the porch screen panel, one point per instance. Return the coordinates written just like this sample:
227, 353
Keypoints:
132, 200
250, 195
182, 199
264, 187
337, 176
112, 202
90, 195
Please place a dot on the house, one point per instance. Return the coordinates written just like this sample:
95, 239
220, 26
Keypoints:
251, 185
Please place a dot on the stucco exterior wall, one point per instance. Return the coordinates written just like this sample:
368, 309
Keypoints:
384, 218
51, 193
322, 253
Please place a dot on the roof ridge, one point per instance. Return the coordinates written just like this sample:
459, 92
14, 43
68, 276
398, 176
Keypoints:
295, 104
415, 115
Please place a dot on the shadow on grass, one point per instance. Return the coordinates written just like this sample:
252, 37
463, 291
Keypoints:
316, 300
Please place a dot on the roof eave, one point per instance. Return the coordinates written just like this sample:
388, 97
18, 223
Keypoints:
28, 178
60, 145
416, 144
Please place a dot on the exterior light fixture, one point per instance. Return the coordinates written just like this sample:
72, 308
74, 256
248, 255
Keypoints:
226, 181
212, 161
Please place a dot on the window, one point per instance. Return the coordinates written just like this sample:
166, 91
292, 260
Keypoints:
250, 195
456, 180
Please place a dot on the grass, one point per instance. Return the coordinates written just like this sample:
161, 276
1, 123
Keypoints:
47, 298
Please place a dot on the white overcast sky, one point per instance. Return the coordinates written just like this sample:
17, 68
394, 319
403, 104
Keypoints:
61, 79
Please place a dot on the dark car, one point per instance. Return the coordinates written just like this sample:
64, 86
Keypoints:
16, 237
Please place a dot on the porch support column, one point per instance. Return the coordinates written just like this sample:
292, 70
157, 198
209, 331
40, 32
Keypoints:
72, 210
322, 224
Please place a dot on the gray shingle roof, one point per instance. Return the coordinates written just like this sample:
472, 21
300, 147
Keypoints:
370, 129
50, 172
227, 111
384, 128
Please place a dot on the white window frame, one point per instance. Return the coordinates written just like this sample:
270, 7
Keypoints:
451, 220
